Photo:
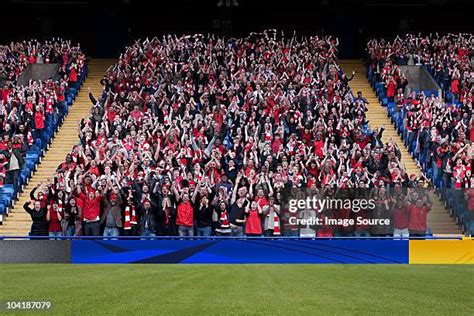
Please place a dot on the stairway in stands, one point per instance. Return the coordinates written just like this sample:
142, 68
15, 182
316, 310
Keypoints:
439, 219
18, 222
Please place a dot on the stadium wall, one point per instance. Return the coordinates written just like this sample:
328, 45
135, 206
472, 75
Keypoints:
35, 251
239, 251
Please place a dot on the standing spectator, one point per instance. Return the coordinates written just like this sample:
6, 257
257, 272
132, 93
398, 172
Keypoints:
91, 209
381, 212
400, 215
185, 221
417, 217
166, 225
237, 216
15, 164
271, 211
72, 218
112, 215
147, 219
40, 225
39, 126
203, 217
73, 76
54, 216
253, 222
221, 218
239, 204
308, 230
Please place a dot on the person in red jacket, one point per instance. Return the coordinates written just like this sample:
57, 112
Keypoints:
185, 220
54, 216
90, 212
253, 224
73, 76
391, 88
417, 218
39, 123
400, 216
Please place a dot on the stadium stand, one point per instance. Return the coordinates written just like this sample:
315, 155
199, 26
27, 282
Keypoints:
31, 112
19, 222
199, 135
436, 129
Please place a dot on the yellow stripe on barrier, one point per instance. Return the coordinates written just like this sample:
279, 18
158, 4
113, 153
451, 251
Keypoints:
442, 251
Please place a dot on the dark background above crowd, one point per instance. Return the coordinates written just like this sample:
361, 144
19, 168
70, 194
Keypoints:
105, 27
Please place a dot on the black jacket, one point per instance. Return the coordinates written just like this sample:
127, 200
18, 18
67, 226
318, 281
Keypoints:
40, 224
203, 216
146, 219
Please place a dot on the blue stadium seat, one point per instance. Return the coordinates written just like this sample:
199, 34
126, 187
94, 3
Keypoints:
39, 143
32, 155
6, 199
24, 176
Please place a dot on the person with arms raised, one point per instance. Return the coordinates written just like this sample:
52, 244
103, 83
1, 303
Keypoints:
40, 225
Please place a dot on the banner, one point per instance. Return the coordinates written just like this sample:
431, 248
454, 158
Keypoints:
255, 250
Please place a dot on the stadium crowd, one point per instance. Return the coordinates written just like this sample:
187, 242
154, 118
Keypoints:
197, 135
438, 133
29, 114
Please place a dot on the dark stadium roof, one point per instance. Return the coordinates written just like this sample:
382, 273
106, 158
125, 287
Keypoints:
107, 26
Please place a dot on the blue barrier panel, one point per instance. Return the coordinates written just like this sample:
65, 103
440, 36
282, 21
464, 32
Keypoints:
246, 250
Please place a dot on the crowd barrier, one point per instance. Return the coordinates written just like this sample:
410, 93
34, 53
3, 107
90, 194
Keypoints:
237, 250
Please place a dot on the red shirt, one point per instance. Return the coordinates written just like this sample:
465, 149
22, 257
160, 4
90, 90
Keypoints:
276, 145
400, 218
306, 137
253, 224
262, 201
318, 148
91, 208
54, 223
73, 75
417, 218
455, 86
111, 116
60, 95
32, 59
4, 94
136, 115
39, 120
29, 106
391, 89
324, 230
185, 214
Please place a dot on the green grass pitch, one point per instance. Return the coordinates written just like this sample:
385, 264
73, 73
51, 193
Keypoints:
241, 289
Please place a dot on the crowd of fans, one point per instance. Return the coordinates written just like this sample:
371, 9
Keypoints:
447, 58
197, 135
438, 133
30, 113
